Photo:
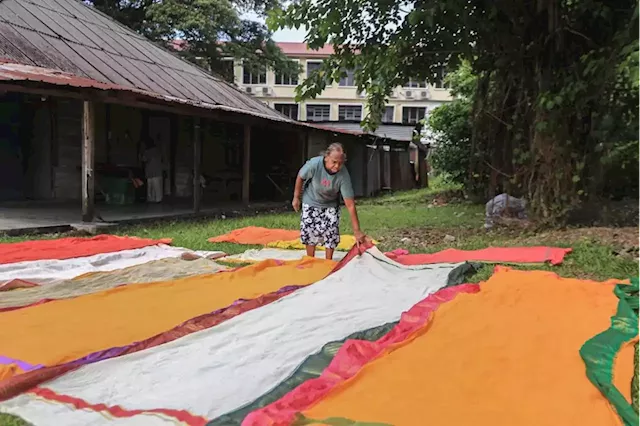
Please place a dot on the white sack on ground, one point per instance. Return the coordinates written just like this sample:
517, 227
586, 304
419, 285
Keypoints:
46, 271
215, 371
258, 255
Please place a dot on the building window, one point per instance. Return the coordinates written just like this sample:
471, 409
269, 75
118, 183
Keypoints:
290, 110
387, 116
287, 79
227, 69
318, 112
438, 81
413, 84
413, 115
350, 113
312, 67
348, 80
254, 75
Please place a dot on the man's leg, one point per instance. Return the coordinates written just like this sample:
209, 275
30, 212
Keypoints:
331, 231
329, 253
311, 250
307, 225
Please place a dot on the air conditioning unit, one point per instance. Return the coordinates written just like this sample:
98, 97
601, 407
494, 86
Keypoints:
408, 94
424, 94
393, 95
248, 89
266, 91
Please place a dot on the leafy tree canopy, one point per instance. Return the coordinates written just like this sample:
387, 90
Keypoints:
556, 80
211, 30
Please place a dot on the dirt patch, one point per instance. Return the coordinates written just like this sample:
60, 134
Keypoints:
445, 197
423, 238
624, 241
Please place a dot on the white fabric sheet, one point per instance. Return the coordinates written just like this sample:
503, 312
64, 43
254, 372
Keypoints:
46, 271
258, 255
215, 371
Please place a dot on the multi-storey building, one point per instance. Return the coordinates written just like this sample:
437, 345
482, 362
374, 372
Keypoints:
340, 101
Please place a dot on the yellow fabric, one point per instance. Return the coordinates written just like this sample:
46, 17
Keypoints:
346, 243
508, 355
64, 330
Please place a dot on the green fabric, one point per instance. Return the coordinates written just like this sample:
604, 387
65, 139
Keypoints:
311, 368
461, 273
600, 351
333, 421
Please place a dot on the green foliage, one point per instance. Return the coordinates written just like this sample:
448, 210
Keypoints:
555, 81
211, 30
131, 13
450, 127
451, 139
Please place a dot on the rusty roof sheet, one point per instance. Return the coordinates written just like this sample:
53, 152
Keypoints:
10, 71
292, 48
65, 42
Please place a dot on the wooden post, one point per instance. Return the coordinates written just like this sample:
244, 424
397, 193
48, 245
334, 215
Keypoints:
246, 164
88, 151
173, 147
197, 163
304, 141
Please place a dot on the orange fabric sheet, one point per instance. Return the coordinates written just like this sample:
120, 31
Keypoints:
68, 248
508, 355
65, 330
255, 235
8, 371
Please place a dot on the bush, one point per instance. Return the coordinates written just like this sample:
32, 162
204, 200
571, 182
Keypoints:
450, 138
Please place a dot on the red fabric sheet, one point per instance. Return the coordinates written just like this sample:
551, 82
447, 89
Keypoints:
352, 357
68, 248
117, 412
17, 283
553, 255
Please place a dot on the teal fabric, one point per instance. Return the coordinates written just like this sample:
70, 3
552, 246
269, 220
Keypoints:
322, 188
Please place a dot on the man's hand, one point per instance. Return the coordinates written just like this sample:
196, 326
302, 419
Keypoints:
360, 237
296, 204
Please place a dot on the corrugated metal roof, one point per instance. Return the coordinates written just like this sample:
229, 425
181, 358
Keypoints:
349, 131
395, 132
18, 72
77, 45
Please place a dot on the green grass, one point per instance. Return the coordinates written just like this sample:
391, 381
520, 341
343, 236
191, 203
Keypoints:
9, 420
406, 220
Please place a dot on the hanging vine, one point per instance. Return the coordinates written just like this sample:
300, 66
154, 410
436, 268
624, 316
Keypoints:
556, 80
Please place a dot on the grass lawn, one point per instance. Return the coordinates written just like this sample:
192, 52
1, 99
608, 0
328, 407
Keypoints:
412, 220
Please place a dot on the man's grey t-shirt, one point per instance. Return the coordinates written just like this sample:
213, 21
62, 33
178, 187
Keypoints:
323, 188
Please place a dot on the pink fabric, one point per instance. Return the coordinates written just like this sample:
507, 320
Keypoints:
553, 255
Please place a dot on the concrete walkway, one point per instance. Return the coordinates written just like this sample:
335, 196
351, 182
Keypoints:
26, 217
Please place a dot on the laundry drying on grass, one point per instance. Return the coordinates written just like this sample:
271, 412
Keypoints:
91, 282
68, 329
160, 335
